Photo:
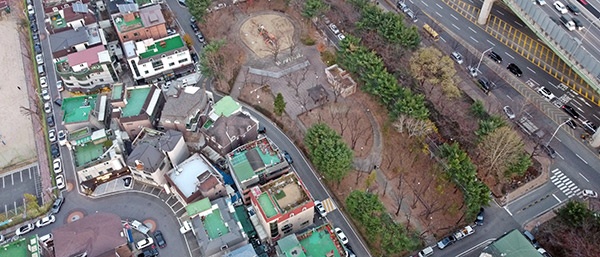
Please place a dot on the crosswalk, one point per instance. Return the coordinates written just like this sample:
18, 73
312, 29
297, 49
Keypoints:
329, 205
564, 184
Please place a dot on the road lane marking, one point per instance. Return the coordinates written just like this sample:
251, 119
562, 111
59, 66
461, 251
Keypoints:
507, 96
424, 3
456, 27
558, 139
438, 14
575, 101
506, 209
507, 54
29, 173
562, 187
474, 40
530, 70
560, 156
491, 43
584, 101
557, 198
473, 30
443, 39
581, 159
569, 183
453, 17
595, 116
555, 171
12, 179
3, 182
438, 5
21, 175
584, 177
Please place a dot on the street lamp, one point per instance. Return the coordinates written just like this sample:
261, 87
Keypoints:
481, 59
556, 131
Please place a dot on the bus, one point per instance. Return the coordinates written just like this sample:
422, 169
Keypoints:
434, 35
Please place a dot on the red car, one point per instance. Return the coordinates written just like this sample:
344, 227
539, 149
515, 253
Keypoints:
583, 2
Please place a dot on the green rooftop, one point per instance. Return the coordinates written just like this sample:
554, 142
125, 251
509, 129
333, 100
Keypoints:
198, 207
123, 25
267, 205
513, 244
241, 215
241, 166
143, 2
21, 248
319, 243
226, 106
162, 46
291, 247
87, 153
214, 225
78, 109
117, 92
58, 21
135, 101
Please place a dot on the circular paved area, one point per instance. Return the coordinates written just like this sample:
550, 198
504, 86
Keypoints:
74, 216
151, 224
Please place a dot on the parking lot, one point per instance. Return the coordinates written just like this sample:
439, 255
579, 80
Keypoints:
15, 184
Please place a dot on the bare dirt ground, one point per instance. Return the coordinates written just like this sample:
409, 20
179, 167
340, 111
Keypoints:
267, 33
17, 146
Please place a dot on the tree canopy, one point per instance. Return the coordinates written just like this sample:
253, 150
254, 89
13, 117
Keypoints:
198, 8
312, 8
328, 152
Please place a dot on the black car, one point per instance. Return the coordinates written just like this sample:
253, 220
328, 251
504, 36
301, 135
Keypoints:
58, 101
57, 204
573, 9
34, 28
496, 57
578, 24
150, 252
160, 240
55, 150
571, 111
262, 130
514, 69
194, 57
32, 17
571, 124
127, 181
484, 85
531, 239
50, 121
589, 127
479, 219
287, 157
37, 48
194, 27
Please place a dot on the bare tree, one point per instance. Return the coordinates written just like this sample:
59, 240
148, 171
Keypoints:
295, 79
358, 129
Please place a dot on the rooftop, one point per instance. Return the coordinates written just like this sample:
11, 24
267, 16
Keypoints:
198, 207
226, 130
187, 173
162, 46
122, 25
147, 155
68, 38
225, 107
513, 244
78, 109
87, 153
281, 195
117, 92
20, 247
319, 243
247, 160
88, 56
96, 234
135, 101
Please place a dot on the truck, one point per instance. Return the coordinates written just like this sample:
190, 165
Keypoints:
528, 127
140, 227
464, 232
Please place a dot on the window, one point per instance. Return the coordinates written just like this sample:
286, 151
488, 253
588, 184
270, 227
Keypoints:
162, 166
171, 64
124, 37
88, 177
183, 60
304, 223
146, 72
157, 65
136, 34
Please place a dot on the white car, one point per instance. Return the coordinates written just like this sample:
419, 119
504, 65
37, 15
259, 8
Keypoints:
509, 112
45, 221
39, 59
320, 208
47, 107
45, 94
546, 93
341, 36
187, 227
334, 28
24, 229
30, 10
457, 57
589, 193
560, 7
62, 137
541, 2
59, 85
43, 82
57, 166
52, 135
341, 236
144, 243
60, 182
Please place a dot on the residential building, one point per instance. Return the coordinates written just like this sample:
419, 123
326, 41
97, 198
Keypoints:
196, 178
215, 226
73, 40
87, 70
137, 24
25, 246
320, 241
106, 167
244, 251
283, 206
163, 58
186, 104
227, 126
85, 111
511, 244
136, 107
155, 153
342, 82
63, 16
256, 163
97, 234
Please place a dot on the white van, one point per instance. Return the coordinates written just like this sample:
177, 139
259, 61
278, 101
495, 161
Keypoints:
426, 252
41, 70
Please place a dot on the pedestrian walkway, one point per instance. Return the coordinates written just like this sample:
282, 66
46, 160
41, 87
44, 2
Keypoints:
329, 205
564, 183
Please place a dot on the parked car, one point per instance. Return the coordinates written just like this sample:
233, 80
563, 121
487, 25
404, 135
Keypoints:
47, 107
546, 93
22, 230
57, 166
560, 7
194, 27
45, 94
55, 150
320, 208
549, 151
150, 252
39, 58
43, 82
200, 37
571, 124
58, 101
45, 221
171, 32
496, 57
60, 182
287, 157
30, 10
160, 239
341, 236
479, 219
127, 182
531, 239
446, 241
59, 85
50, 121
341, 36
509, 112
52, 135
514, 69
334, 28
484, 84
571, 111
587, 193
426, 252
148, 241
62, 137
457, 57
57, 204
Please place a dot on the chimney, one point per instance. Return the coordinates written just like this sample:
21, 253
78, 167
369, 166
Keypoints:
139, 165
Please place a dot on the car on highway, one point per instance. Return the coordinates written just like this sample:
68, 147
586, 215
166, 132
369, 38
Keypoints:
587, 193
496, 57
52, 135
541, 2
54, 150
334, 28
287, 157
514, 69
446, 241
22, 230
45, 94
574, 9
57, 204
578, 24
546, 93
47, 107
571, 111
341, 236
45, 221
560, 7
568, 23
320, 208
60, 182
62, 137
160, 239
571, 123
583, 2
479, 219
57, 166
589, 127
509, 112
457, 57
549, 151
148, 241
484, 84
